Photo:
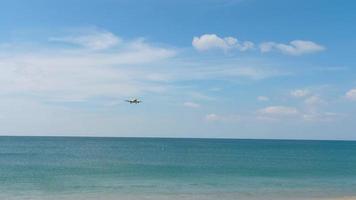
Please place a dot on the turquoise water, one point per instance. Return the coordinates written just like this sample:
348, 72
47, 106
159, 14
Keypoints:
42, 168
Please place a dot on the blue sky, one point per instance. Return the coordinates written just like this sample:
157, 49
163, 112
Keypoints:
227, 68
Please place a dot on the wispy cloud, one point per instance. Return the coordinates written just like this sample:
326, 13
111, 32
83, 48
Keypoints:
309, 114
212, 41
77, 74
294, 48
212, 117
208, 42
106, 66
309, 97
263, 98
224, 71
314, 100
300, 93
351, 95
94, 39
314, 116
191, 104
279, 111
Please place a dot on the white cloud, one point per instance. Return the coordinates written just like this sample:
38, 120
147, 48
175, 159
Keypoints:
63, 73
212, 41
96, 40
300, 93
314, 101
351, 95
72, 74
279, 111
262, 98
231, 72
212, 117
320, 116
295, 47
191, 104
215, 89
200, 96
309, 98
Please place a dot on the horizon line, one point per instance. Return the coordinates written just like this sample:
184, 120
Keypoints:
165, 137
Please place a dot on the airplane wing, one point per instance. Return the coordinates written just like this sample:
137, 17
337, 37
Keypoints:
135, 101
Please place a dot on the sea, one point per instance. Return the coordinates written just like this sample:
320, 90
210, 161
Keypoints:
89, 168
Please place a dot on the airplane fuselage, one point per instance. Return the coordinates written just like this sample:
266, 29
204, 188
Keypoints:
134, 101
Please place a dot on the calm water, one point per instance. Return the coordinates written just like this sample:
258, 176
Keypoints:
137, 168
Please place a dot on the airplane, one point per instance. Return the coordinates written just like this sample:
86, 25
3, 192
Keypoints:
134, 100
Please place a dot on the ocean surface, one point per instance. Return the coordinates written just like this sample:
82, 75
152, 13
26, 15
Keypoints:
73, 168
